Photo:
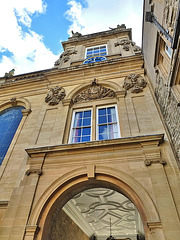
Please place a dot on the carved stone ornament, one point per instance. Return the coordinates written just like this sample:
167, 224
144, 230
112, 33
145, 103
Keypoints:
34, 171
170, 13
122, 26
13, 101
65, 56
76, 34
134, 81
9, 74
135, 47
148, 162
55, 95
125, 43
95, 91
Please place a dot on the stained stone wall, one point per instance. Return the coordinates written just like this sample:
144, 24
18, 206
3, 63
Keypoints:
64, 228
170, 110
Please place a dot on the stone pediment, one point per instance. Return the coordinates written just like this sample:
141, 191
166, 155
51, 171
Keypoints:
93, 92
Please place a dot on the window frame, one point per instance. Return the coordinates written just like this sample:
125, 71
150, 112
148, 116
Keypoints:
95, 47
117, 121
72, 122
94, 120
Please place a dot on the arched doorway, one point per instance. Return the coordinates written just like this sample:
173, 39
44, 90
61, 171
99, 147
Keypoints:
97, 213
74, 183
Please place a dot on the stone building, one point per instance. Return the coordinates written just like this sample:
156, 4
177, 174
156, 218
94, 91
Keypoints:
162, 61
85, 152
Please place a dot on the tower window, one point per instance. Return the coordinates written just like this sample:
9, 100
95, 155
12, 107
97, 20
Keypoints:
95, 54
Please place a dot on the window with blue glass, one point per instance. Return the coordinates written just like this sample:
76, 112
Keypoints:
96, 54
9, 122
107, 123
81, 126
107, 126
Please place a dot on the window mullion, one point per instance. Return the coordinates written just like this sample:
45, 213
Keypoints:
93, 123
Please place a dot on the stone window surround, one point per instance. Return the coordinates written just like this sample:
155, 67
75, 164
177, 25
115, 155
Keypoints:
94, 106
95, 47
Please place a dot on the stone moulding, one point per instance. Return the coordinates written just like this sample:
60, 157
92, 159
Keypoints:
55, 95
95, 91
32, 230
156, 138
135, 82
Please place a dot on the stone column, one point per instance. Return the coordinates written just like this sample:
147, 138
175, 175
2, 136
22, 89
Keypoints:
16, 217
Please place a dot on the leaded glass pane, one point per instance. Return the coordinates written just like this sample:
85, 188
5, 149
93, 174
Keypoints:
102, 119
103, 129
87, 113
86, 131
85, 139
9, 122
111, 118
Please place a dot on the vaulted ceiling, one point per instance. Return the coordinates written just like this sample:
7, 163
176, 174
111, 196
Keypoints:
103, 212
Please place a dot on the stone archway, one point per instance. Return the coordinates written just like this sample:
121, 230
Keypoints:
64, 190
96, 213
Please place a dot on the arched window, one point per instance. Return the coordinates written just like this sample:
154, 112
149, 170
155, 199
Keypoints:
9, 122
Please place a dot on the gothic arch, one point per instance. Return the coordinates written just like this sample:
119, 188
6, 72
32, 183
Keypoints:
16, 102
114, 86
77, 180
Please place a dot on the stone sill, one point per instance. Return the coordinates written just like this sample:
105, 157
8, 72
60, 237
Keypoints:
147, 139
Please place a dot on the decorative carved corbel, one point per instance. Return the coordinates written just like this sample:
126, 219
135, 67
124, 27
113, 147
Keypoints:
55, 95
148, 162
34, 171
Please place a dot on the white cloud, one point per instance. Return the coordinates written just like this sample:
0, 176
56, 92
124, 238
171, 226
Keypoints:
27, 50
99, 15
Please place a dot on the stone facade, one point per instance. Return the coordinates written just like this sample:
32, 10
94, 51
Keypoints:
162, 63
43, 169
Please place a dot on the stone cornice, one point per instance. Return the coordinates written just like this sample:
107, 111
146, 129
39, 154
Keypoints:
95, 35
150, 140
42, 75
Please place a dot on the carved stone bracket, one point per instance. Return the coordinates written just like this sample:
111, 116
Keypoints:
34, 171
148, 162
65, 56
55, 95
95, 91
152, 154
134, 81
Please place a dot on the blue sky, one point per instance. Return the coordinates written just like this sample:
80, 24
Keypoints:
32, 30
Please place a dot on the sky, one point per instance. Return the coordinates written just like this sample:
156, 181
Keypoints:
31, 31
